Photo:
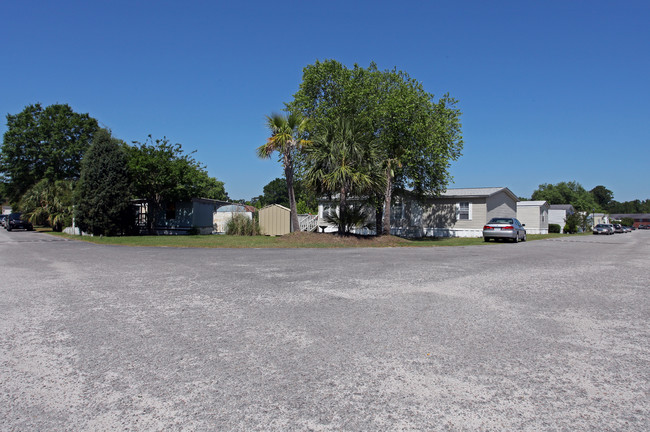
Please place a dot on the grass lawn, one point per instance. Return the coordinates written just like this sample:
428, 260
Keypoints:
294, 240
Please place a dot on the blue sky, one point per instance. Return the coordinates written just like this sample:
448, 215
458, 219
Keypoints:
550, 91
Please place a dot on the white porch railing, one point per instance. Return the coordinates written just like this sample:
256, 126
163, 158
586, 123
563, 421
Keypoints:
308, 222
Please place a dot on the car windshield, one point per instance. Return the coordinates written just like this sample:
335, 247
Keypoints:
15, 216
500, 221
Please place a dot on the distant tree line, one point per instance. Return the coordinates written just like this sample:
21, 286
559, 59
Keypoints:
55, 163
598, 199
636, 206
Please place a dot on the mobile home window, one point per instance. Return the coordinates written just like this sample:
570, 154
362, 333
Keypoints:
464, 211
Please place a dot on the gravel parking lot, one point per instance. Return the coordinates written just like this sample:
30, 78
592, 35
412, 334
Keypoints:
544, 335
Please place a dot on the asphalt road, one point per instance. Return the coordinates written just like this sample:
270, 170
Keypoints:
544, 335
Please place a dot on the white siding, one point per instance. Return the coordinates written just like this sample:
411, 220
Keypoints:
439, 218
534, 218
501, 205
557, 217
221, 219
543, 225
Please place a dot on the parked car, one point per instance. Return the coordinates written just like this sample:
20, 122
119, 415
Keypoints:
626, 229
618, 228
504, 228
14, 221
603, 229
641, 226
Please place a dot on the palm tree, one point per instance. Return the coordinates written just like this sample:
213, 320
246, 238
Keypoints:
286, 133
343, 160
49, 203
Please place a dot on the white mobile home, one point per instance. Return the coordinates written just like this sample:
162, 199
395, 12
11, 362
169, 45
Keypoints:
534, 215
557, 214
458, 212
455, 213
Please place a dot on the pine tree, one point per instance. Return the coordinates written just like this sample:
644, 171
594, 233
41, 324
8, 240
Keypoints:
103, 194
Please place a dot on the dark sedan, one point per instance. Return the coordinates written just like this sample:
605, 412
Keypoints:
14, 221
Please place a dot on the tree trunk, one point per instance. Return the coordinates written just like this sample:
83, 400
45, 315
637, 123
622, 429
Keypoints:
387, 199
378, 217
288, 173
343, 211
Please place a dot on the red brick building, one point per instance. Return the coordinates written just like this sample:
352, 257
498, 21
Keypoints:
639, 218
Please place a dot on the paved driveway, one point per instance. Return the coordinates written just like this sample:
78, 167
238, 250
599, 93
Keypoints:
544, 335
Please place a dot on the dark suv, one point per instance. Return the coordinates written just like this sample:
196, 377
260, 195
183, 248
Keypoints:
15, 222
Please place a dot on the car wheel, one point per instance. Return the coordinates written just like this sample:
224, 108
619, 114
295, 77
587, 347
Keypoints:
516, 239
485, 239
8, 228
524, 238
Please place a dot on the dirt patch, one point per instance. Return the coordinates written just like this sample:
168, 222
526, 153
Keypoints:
307, 239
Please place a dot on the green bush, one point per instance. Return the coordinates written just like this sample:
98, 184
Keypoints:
573, 221
355, 217
570, 229
240, 225
554, 228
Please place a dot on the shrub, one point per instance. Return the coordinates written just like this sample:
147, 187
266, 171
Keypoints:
554, 228
572, 222
49, 203
570, 229
239, 224
355, 217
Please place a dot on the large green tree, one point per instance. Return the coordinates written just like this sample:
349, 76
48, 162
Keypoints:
3, 194
43, 143
286, 139
567, 193
103, 193
342, 161
162, 172
417, 135
603, 196
276, 192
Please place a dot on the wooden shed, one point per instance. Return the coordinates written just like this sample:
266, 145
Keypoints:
275, 220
